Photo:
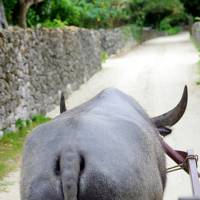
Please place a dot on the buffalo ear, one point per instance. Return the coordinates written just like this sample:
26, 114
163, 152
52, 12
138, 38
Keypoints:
62, 103
171, 117
164, 131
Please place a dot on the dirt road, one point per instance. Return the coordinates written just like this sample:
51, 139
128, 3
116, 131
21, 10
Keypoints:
155, 74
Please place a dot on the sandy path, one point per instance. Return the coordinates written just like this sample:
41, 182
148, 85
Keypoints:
155, 74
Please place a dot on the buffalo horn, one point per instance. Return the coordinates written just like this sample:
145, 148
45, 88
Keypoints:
174, 115
62, 103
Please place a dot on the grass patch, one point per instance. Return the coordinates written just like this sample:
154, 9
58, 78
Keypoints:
104, 56
11, 144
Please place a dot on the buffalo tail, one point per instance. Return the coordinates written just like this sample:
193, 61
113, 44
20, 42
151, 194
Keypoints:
71, 164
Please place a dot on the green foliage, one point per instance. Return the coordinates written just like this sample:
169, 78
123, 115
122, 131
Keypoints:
65, 11
39, 118
174, 30
105, 13
10, 9
166, 26
32, 18
138, 13
20, 124
151, 13
56, 23
11, 143
54, 14
192, 7
84, 13
38, 13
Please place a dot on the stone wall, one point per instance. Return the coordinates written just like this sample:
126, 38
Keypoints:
36, 64
196, 33
149, 33
116, 40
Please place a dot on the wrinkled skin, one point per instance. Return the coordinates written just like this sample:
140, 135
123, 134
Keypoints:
105, 149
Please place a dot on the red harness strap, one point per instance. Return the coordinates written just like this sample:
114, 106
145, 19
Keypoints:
179, 157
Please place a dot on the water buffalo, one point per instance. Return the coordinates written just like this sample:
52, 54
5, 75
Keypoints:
105, 149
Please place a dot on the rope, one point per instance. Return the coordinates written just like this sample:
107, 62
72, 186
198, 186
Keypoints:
182, 165
194, 157
174, 168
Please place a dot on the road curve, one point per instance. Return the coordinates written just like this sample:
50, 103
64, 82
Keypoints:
154, 74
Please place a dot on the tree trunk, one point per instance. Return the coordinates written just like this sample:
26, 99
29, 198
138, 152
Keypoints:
24, 6
3, 21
